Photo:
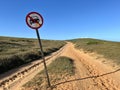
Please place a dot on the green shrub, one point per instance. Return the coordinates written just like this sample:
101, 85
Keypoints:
92, 43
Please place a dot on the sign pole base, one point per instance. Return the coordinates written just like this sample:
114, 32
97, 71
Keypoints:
45, 66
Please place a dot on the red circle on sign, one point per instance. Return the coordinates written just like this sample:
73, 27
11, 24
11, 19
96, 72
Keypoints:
38, 19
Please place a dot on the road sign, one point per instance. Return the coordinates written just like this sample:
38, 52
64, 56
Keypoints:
34, 20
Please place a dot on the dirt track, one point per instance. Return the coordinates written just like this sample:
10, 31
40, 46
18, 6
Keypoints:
91, 74
14, 79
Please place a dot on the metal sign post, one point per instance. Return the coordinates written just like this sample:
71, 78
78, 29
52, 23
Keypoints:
40, 44
34, 20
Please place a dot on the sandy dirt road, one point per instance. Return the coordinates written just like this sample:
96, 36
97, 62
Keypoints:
91, 73
14, 79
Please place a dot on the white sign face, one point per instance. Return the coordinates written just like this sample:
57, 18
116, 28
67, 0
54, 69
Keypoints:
34, 20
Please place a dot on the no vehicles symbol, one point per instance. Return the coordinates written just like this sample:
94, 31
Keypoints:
34, 20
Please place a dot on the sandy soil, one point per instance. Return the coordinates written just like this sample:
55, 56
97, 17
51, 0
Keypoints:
91, 73
14, 79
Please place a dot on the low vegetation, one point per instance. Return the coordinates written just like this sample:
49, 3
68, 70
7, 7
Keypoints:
17, 51
108, 49
59, 69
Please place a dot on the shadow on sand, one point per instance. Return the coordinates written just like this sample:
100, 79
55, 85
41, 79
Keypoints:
86, 78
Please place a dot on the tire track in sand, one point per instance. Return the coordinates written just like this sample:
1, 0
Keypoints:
91, 73
25, 73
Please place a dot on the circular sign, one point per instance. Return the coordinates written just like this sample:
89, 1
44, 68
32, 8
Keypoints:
34, 20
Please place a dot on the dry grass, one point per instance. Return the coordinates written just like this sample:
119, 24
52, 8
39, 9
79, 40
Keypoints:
108, 49
58, 70
17, 51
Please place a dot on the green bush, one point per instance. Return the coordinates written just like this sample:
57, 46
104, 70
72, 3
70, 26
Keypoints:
92, 43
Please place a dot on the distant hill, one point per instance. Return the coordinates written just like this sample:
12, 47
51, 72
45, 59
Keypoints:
17, 51
109, 49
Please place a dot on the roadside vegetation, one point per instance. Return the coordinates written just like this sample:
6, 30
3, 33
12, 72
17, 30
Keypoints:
108, 49
18, 51
59, 70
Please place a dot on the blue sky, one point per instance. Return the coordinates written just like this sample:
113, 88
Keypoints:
63, 19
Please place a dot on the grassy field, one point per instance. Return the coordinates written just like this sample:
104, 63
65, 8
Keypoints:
17, 51
108, 49
59, 69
